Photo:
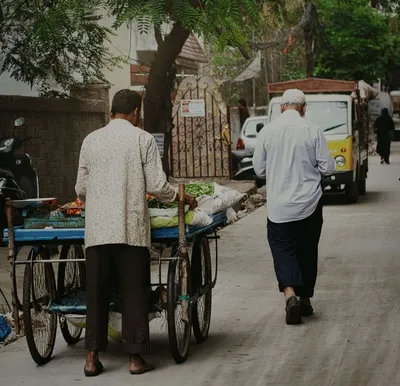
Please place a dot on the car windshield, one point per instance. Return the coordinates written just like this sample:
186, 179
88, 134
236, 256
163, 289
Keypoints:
331, 117
250, 127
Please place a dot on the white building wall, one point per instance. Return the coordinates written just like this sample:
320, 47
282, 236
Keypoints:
9, 86
123, 44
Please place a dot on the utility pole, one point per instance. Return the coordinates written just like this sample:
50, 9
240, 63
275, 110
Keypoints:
266, 70
254, 78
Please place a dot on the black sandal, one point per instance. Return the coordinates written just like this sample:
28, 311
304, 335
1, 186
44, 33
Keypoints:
146, 367
293, 315
99, 369
306, 310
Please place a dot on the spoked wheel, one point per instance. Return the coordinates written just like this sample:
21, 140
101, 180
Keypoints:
39, 290
201, 277
71, 278
179, 313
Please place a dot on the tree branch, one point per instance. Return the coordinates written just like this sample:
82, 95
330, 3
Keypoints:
307, 19
242, 50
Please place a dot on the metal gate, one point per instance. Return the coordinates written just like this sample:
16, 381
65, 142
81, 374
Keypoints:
201, 145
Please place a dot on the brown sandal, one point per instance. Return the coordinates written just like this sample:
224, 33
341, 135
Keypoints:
146, 367
98, 370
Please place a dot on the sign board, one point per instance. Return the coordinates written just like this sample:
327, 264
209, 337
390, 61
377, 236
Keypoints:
191, 108
159, 137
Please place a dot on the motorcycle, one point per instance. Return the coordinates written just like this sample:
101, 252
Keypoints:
242, 167
18, 176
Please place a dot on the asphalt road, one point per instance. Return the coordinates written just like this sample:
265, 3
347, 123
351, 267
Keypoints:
353, 339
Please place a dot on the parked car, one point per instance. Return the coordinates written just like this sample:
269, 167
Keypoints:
249, 133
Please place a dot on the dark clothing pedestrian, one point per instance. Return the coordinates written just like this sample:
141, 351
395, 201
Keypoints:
132, 266
294, 247
243, 112
384, 127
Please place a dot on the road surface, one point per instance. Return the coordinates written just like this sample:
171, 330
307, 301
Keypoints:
353, 339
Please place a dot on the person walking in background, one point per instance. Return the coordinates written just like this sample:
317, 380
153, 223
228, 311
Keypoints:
293, 155
384, 128
243, 112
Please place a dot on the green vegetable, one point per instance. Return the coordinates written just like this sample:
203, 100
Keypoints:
195, 190
155, 204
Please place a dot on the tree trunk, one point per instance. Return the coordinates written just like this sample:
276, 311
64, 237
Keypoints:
157, 102
309, 39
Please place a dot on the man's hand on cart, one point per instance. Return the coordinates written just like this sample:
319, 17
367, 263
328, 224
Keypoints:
191, 201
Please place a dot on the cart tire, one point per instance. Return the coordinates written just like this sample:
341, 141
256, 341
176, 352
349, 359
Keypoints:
71, 277
40, 324
201, 276
179, 329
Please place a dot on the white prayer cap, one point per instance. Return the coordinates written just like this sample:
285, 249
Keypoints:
293, 97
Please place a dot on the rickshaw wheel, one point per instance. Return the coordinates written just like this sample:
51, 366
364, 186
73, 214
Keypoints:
71, 278
179, 313
201, 277
39, 290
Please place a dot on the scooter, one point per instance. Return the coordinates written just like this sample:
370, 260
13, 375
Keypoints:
242, 167
18, 176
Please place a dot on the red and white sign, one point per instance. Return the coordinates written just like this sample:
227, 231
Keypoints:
191, 108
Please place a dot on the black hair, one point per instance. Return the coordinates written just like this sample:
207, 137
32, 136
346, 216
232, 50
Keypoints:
385, 111
125, 102
243, 102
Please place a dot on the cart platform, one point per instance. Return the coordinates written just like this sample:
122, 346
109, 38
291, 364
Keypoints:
76, 235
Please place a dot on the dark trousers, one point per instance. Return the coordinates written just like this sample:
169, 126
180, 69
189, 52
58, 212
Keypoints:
132, 265
294, 247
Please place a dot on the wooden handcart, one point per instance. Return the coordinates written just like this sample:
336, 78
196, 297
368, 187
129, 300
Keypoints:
185, 296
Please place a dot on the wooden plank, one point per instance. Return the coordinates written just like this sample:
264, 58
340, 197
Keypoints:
313, 85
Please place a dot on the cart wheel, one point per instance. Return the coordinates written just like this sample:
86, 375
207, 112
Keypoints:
71, 278
201, 276
39, 290
179, 312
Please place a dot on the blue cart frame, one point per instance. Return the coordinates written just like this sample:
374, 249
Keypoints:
186, 289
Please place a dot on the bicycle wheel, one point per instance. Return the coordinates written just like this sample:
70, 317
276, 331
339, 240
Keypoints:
179, 313
39, 289
70, 279
201, 277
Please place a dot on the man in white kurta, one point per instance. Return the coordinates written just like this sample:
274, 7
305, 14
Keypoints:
118, 165
293, 155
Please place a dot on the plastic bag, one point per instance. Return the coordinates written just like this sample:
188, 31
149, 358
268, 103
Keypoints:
192, 217
114, 323
223, 199
115, 326
5, 328
172, 212
231, 216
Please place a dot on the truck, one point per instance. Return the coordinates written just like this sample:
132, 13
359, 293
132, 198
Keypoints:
340, 109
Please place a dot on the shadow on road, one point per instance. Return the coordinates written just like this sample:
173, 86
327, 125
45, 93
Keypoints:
340, 199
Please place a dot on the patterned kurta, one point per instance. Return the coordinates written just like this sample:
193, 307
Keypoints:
118, 165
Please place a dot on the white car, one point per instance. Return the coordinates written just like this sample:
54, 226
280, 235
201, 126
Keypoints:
249, 133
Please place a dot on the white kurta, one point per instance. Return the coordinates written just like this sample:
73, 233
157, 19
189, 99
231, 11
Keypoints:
118, 165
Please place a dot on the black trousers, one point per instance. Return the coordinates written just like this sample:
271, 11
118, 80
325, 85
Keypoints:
294, 247
132, 266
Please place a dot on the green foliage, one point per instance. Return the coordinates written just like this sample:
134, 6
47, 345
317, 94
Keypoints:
53, 42
356, 42
62, 41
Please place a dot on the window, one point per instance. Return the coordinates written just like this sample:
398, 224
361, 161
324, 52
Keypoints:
250, 127
330, 116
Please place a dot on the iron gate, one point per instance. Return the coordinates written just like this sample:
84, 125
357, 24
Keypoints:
201, 146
